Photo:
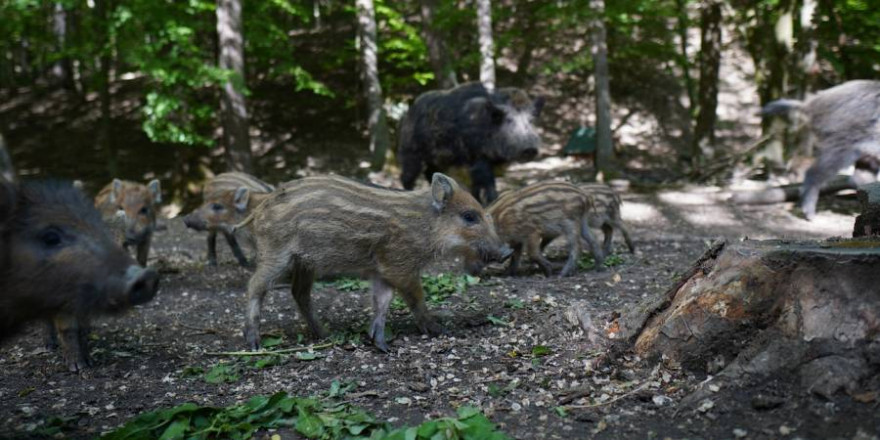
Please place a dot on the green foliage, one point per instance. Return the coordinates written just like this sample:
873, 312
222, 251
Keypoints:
313, 418
440, 287
223, 372
587, 262
351, 284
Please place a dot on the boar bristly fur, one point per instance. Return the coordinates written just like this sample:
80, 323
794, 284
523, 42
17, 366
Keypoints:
332, 225
139, 203
227, 200
529, 218
607, 215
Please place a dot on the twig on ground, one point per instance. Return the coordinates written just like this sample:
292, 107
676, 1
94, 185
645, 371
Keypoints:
618, 398
271, 352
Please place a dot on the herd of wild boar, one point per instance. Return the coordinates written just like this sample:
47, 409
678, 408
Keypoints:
64, 258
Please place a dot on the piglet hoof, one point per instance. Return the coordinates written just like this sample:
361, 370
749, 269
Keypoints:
76, 364
377, 334
252, 338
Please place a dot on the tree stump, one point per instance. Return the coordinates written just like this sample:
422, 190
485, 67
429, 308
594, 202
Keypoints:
757, 308
868, 223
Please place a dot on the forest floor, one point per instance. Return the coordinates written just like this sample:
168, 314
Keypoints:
511, 350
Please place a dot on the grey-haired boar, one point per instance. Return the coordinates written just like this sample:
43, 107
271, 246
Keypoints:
58, 262
333, 225
468, 126
844, 123
529, 218
228, 199
607, 214
139, 203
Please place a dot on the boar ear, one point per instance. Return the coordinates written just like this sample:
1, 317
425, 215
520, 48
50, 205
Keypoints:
539, 105
156, 190
242, 195
116, 191
442, 188
480, 106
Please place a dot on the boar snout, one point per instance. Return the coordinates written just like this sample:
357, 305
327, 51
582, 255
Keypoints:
141, 284
529, 153
194, 221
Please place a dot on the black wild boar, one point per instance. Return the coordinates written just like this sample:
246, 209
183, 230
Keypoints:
468, 126
329, 224
844, 122
227, 200
58, 261
607, 214
140, 204
533, 216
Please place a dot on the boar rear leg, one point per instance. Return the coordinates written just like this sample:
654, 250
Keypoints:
533, 249
51, 339
574, 250
267, 273
622, 228
587, 235
827, 165
236, 249
74, 345
301, 288
382, 294
212, 248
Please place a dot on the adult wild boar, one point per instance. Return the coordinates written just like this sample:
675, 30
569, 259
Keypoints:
58, 261
140, 204
333, 225
844, 122
227, 200
468, 126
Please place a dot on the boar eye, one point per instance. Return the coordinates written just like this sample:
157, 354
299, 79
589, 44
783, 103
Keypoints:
144, 211
216, 207
51, 238
470, 217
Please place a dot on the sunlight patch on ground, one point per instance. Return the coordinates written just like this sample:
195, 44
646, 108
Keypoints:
711, 216
637, 212
552, 163
690, 198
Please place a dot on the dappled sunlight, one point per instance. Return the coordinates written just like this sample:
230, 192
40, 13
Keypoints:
638, 212
696, 197
711, 216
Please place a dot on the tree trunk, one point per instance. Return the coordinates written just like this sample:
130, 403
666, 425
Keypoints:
438, 54
807, 45
105, 135
599, 51
487, 46
233, 108
61, 70
761, 309
377, 121
682, 24
710, 63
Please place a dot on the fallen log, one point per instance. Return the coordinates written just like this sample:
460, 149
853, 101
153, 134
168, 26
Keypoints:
788, 193
759, 308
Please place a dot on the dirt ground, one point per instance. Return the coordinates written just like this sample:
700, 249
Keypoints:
143, 358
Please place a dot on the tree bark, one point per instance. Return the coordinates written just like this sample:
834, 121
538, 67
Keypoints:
438, 54
62, 70
105, 136
807, 45
599, 51
762, 308
682, 24
377, 121
710, 64
233, 108
487, 46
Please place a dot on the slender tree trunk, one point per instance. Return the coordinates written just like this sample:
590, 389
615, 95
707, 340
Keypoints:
61, 70
438, 54
487, 46
233, 108
710, 63
776, 39
377, 120
604, 149
808, 67
105, 137
682, 25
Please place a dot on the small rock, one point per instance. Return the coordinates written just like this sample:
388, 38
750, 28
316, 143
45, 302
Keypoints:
762, 402
419, 387
785, 430
661, 400
739, 433
706, 405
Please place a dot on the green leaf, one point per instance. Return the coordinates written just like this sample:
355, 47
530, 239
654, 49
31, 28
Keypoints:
560, 411
271, 341
498, 321
307, 356
309, 425
176, 429
541, 350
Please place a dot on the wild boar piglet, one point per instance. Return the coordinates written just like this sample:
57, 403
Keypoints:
333, 225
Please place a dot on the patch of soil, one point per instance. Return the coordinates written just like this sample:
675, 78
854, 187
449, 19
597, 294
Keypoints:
142, 357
